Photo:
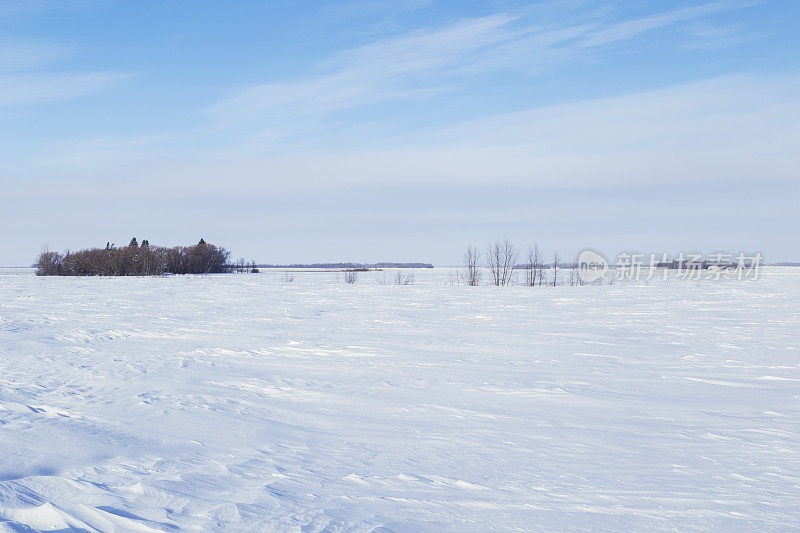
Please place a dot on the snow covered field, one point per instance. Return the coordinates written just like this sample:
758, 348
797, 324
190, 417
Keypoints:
243, 402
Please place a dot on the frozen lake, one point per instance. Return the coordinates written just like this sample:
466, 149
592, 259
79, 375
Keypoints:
244, 402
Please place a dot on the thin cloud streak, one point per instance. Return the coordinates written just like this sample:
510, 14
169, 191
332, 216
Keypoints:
19, 54
735, 128
627, 30
429, 63
388, 70
25, 78
42, 88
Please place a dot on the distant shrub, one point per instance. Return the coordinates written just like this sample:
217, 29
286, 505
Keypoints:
135, 260
404, 278
350, 276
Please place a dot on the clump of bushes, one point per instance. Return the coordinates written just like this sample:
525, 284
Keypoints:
135, 260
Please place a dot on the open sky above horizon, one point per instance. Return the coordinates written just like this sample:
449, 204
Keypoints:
388, 130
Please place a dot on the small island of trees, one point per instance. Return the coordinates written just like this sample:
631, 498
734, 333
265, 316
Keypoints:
135, 260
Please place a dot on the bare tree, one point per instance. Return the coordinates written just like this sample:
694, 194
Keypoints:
472, 272
404, 278
555, 268
453, 277
541, 270
287, 277
350, 276
500, 260
575, 273
493, 262
533, 266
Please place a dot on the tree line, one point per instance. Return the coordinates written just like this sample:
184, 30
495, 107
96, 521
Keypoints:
135, 260
349, 266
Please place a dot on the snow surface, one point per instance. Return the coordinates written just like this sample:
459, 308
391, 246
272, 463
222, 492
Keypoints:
242, 402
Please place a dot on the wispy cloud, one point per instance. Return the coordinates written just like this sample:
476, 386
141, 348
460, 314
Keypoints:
23, 54
31, 89
629, 29
388, 70
100, 153
429, 63
27, 76
13, 9
732, 129
715, 37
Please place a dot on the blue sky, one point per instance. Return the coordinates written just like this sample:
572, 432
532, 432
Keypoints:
400, 130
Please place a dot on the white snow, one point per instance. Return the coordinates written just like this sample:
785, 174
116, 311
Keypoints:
242, 402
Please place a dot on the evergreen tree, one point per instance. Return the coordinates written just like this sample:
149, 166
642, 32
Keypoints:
201, 243
134, 243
